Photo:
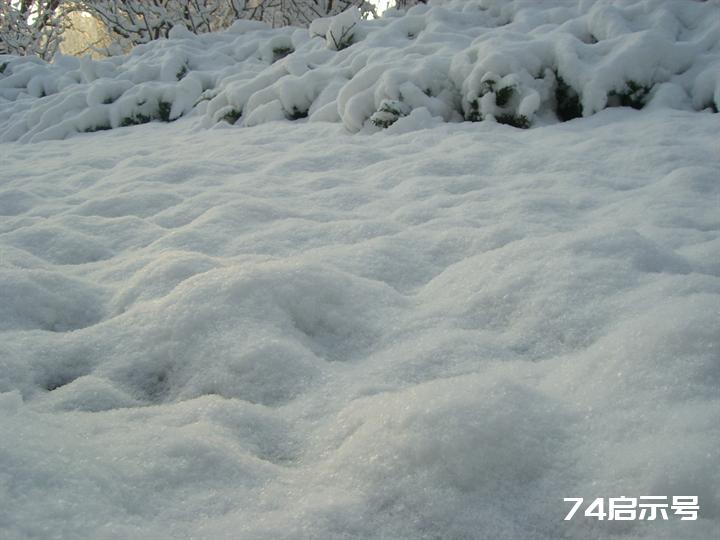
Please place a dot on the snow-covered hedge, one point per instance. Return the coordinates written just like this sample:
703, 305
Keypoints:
518, 62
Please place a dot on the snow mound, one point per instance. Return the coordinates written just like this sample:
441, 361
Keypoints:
516, 62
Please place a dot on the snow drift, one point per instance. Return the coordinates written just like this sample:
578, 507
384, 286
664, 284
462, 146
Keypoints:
517, 62
291, 332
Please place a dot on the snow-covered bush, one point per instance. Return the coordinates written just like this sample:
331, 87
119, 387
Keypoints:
339, 31
631, 94
389, 113
567, 101
498, 98
512, 61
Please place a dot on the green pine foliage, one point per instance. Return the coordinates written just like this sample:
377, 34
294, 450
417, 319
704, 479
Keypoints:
164, 108
297, 114
232, 116
390, 112
632, 95
99, 127
473, 114
515, 120
135, 120
503, 95
281, 52
567, 100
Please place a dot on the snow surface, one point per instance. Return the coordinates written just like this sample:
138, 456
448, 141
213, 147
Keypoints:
291, 332
324, 330
450, 59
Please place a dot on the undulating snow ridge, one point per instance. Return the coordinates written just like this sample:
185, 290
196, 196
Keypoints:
294, 333
519, 62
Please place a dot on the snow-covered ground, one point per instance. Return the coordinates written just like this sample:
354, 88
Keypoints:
295, 331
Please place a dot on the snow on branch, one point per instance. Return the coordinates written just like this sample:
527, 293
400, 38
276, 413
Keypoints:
31, 27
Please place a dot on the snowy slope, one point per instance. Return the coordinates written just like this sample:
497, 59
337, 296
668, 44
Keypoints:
290, 332
520, 62
318, 329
